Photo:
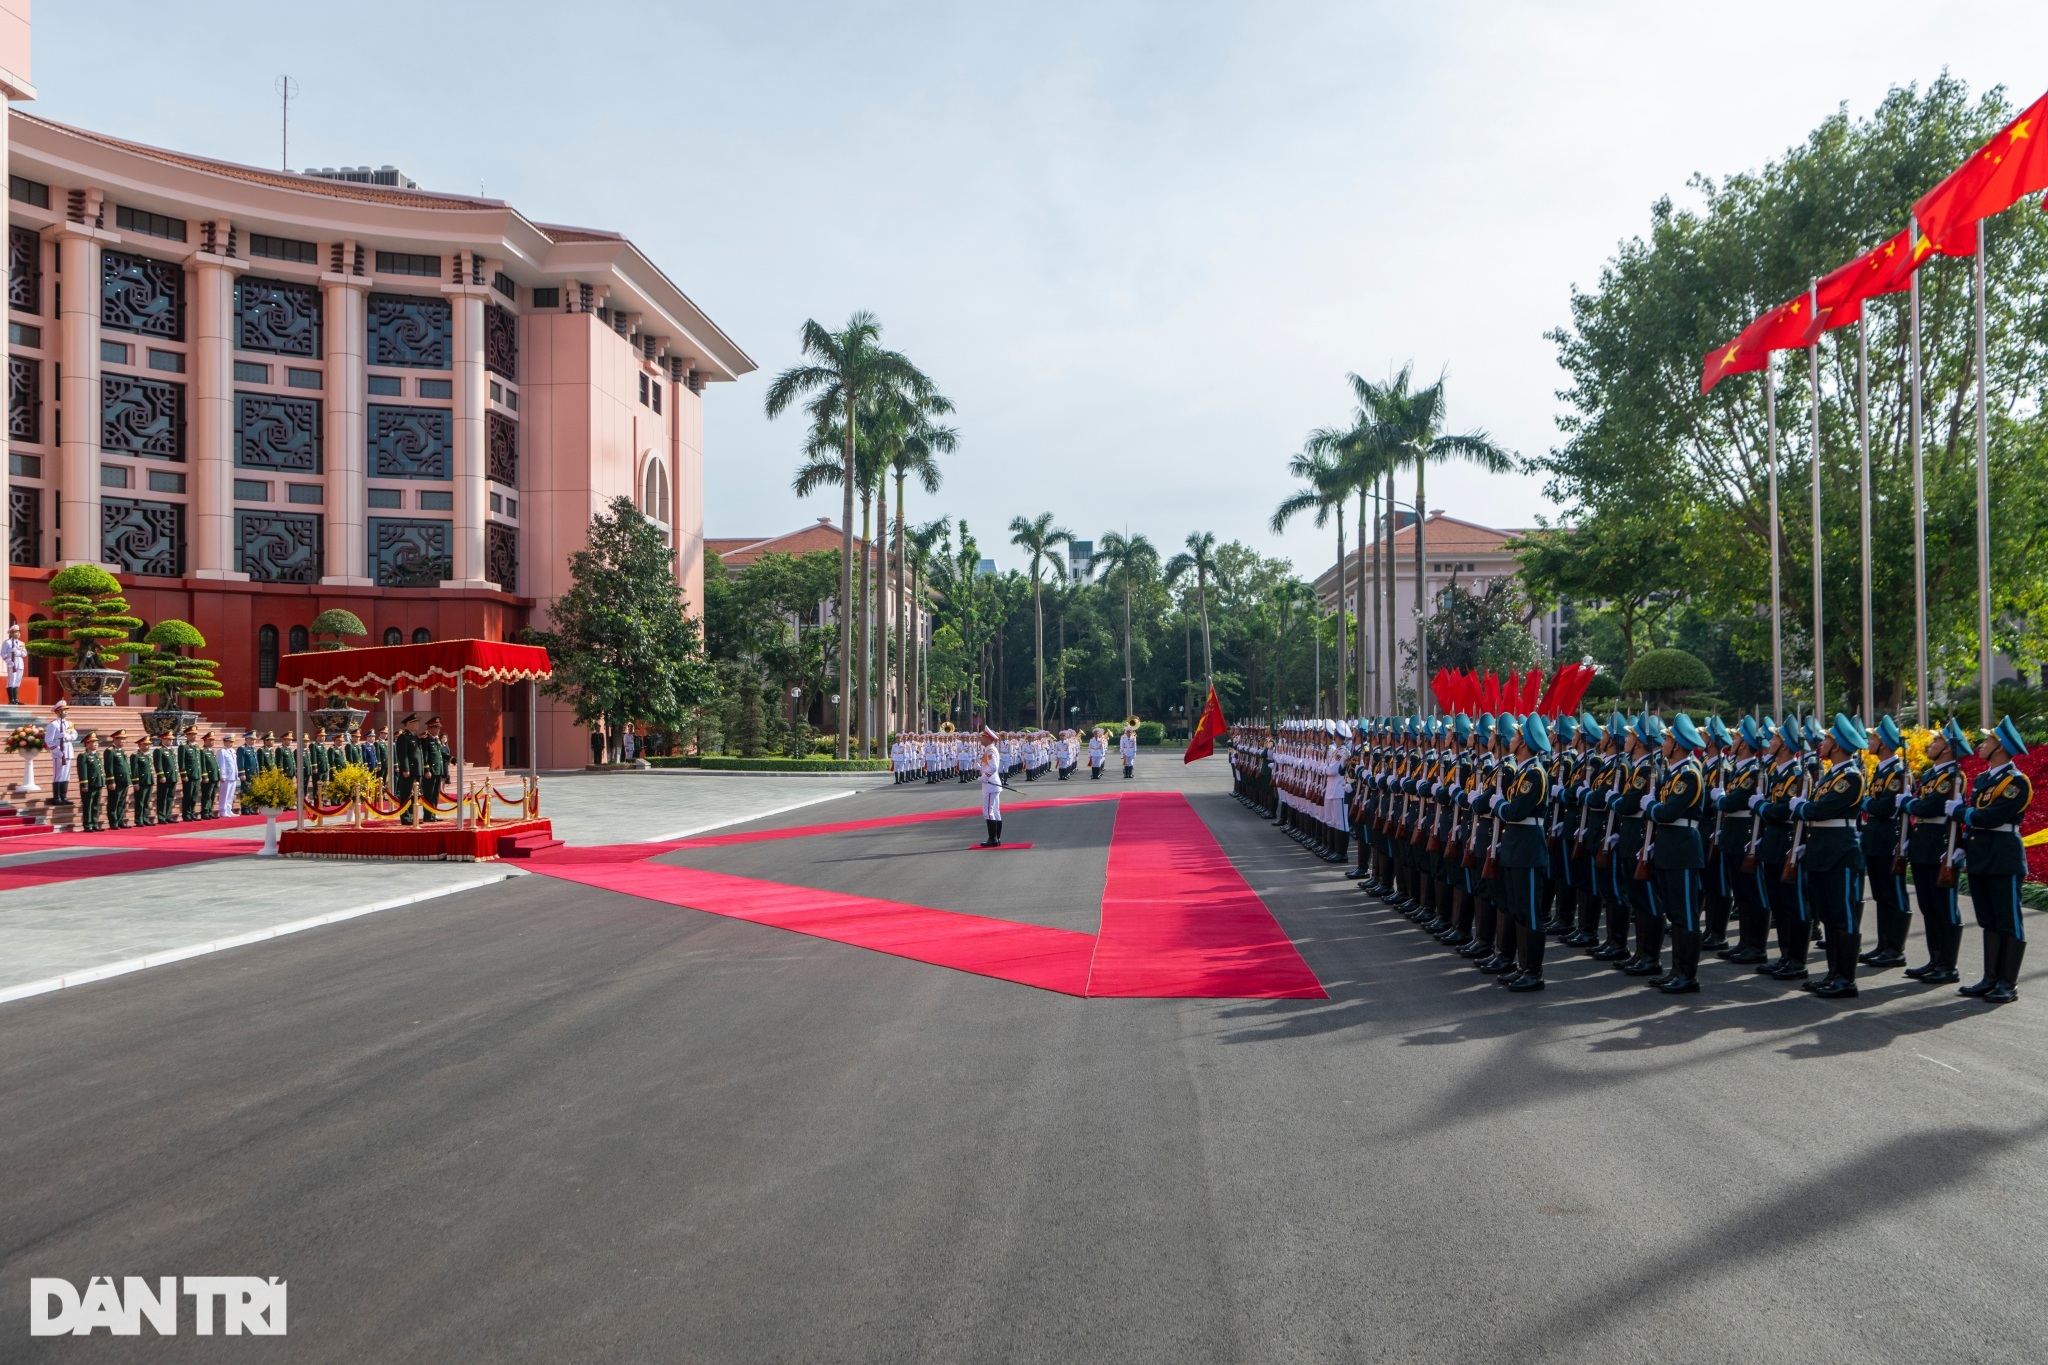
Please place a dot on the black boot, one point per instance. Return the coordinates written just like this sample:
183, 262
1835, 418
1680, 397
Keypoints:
1994, 958
2007, 989
1841, 982
993, 828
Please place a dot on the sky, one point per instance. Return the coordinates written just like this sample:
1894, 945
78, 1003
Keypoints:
1140, 246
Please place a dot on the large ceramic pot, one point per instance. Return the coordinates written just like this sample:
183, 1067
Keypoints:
91, 686
172, 723
337, 718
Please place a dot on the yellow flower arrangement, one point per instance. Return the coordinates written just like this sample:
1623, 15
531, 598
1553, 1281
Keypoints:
351, 782
270, 789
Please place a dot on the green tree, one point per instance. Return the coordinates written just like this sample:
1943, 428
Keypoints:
168, 673
1487, 629
1641, 435
1129, 563
623, 647
88, 616
844, 369
337, 622
1039, 539
1632, 563
1662, 676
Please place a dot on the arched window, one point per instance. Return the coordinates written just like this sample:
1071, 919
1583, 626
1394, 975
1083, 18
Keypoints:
655, 493
266, 656
300, 640
393, 635
423, 636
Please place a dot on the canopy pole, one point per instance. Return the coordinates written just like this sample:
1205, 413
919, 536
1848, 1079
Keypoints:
533, 731
299, 756
391, 729
461, 746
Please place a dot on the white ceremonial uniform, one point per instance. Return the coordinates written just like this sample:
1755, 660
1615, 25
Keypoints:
230, 776
1127, 748
1097, 751
14, 654
61, 740
991, 783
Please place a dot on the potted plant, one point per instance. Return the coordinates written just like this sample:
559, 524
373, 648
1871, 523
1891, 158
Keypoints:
271, 793
352, 785
337, 717
88, 615
26, 740
171, 676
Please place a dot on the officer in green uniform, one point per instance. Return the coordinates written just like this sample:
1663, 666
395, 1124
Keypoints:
188, 758
114, 761
352, 748
1997, 860
164, 762
142, 775
92, 779
435, 774
409, 766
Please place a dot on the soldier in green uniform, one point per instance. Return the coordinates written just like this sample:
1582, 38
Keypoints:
351, 748
164, 762
209, 777
142, 776
114, 762
92, 779
409, 766
435, 774
187, 758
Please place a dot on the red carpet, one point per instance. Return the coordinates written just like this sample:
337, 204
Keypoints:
113, 864
1177, 919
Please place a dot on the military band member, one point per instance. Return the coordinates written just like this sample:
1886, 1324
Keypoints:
92, 779
1932, 835
1996, 860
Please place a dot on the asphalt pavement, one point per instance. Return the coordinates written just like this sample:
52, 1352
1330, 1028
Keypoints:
543, 1121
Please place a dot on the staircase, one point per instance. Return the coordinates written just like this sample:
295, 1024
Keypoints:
526, 845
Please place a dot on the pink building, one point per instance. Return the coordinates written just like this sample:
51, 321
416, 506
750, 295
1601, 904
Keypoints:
285, 392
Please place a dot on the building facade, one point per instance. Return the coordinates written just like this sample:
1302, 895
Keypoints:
255, 395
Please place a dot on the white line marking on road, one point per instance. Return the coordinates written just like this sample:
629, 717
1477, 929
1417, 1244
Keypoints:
742, 819
136, 964
1938, 1062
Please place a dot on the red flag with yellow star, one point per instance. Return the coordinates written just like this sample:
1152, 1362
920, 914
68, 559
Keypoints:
1788, 325
1997, 175
1884, 269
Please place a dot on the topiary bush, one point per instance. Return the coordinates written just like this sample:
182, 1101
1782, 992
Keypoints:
337, 622
1151, 732
1602, 688
1661, 676
88, 614
169, 674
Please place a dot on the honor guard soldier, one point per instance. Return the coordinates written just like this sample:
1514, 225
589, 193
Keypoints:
114, 762
1098, 750
193, 762
1786, 781
164, 766
1932, 839
1577, 836
1736, 798
142, 777
1996, 859
409, 767
1716, 898
434, 773
92, 779
227, 782
1127, 747
61, 742
1675, 854
1524, 854
14, 658
1633, 870
989, 769
1830, 856
1884, 846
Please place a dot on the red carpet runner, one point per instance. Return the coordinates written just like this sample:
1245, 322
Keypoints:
1177, 919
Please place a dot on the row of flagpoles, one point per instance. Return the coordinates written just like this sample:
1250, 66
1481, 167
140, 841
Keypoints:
1948, 221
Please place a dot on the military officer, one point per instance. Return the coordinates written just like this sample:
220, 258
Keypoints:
1831, 858
1524, 856
1932, 837
1884, 853
1675, 853
164, 765
1734, 797
1786, 782
142, 777
92, 779
114, 763
989, 769
409, 766
1716, 898
1634, 862
1996, 860
434, 773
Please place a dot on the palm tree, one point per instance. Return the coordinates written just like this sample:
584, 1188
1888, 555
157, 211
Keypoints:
1326, 487
921, 540
1409, 430
844, 368
823, 466
1040, 539
916, 453
1130, 560
1200, 556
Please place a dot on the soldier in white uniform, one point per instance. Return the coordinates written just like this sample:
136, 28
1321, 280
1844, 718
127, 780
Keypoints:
991, 772
1098, 750
14, 657
227, 762
1127, 747
62, 743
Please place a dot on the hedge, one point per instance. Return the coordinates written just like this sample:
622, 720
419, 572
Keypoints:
729, 764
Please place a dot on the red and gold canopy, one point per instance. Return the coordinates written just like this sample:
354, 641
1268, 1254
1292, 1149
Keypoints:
427, 667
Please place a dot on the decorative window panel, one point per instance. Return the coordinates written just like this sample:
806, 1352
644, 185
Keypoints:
25, 527
410, 330
501, 342
278, 317
139, 294
142, 537
142, 417
24, 270
409, 443
501, 449
278, 547
275, 432
501, 555
410, 553
24, 399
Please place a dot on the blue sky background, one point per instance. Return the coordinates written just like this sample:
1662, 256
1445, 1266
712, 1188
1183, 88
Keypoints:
1138, 245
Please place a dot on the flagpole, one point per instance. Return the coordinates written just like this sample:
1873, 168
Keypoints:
1983, 512
1919, 487
1777, 596
1820, 689
1863, 444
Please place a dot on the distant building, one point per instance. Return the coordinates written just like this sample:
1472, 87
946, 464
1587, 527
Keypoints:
1080, 559
1454, 551
736, 552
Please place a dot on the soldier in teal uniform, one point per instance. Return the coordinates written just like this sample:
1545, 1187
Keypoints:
1831, 860
1997, 860
1677, 857
114, 761
1882, 822
1524, 858
1928, 829
92, 779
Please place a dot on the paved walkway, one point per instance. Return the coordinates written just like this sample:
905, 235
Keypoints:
77, 908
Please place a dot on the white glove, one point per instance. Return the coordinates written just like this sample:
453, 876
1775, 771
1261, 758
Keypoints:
1718, 792
1646, 802
1955, 806
1611, 841
1756, 803
1497, 804
1799, 854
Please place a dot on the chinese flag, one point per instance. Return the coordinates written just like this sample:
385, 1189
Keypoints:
1208, 729
1784, 327
2012, 164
